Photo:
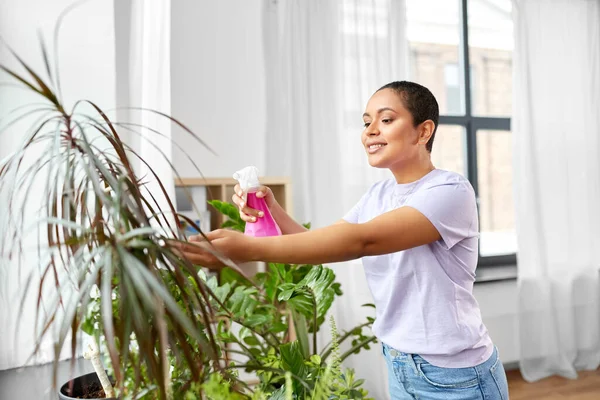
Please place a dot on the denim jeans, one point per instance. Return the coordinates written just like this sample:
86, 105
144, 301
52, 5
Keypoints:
411, 377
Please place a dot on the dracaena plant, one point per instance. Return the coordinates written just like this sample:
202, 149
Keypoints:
103, 231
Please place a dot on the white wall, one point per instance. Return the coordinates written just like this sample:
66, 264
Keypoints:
218, 87
87, 60
498, 303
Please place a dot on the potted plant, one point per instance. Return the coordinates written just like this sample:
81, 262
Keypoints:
165, 330
104, 232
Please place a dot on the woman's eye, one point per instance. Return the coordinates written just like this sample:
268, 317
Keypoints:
386, 120
367, 124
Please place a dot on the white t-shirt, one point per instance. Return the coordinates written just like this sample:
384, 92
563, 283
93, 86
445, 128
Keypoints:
424, 295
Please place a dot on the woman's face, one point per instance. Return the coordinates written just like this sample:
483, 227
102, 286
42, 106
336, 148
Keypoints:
389, 137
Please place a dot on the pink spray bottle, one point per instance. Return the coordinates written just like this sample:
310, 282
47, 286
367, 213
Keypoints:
266, 225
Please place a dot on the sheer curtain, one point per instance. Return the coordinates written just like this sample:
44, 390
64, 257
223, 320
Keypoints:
89, 38
149, 84
556, 131
87, 59
324, 59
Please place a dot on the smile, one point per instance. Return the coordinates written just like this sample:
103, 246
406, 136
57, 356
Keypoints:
374, 148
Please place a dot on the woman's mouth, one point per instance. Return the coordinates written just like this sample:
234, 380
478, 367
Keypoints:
374, 148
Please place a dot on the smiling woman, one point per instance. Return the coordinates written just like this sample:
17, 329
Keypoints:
395, 135
417, 234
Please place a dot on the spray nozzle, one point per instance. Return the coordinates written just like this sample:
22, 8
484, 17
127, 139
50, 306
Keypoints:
247, 178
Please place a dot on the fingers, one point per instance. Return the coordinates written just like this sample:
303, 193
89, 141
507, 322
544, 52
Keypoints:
250, 215
196, 238
196, 254
201, 240
246, 213
263, 191
210, 236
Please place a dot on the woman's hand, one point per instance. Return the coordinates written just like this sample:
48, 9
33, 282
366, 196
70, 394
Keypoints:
249, 214
234, 245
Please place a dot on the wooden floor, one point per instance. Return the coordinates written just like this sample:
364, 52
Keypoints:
586, 387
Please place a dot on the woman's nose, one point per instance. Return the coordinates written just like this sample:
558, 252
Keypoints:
372, 131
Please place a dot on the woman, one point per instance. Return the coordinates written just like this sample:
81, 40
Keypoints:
417, 234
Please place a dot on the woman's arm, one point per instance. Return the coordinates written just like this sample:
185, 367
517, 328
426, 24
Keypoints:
286, 223
393, 231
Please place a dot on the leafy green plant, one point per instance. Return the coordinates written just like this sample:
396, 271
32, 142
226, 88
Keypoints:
286, 300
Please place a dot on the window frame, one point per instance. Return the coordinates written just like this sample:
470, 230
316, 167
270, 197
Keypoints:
471, 125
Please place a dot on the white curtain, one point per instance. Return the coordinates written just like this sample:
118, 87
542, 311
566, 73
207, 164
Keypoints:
87, 59
146, 72
556, 130
324, 59
89, 36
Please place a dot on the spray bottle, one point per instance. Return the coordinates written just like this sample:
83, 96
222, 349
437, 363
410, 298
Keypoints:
266, 225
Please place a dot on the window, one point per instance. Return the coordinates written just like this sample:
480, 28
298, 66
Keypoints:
474, 135
453, 94
453, 88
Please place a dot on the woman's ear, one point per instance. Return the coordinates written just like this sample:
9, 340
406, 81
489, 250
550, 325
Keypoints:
425, 131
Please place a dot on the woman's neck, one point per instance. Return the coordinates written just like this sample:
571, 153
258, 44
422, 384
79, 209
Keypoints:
413, 172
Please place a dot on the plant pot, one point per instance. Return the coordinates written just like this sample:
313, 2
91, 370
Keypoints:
81, 386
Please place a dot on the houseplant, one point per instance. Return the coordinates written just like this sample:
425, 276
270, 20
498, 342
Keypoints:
102, 230
285, 296
107, 253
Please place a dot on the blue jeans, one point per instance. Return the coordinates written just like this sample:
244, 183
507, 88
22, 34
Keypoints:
411, 377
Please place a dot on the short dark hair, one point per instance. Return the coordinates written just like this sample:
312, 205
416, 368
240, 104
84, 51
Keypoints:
419, 101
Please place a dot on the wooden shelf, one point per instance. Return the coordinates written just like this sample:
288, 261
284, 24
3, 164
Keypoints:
266, 180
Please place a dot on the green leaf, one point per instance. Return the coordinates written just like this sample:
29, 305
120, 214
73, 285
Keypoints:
313, 295
243, 332
279, 394
358, 383
285, 294
337, 288
355, 394
278, 327
229, 275
257, 319
300, 272
256, 351
222, 292
216, 388
292, 358
301, 332
251, 341
233, 224
281, 271
315, 359
227, 209
368, 305
303, 303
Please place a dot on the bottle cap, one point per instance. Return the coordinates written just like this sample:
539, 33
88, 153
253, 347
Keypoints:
247, 178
